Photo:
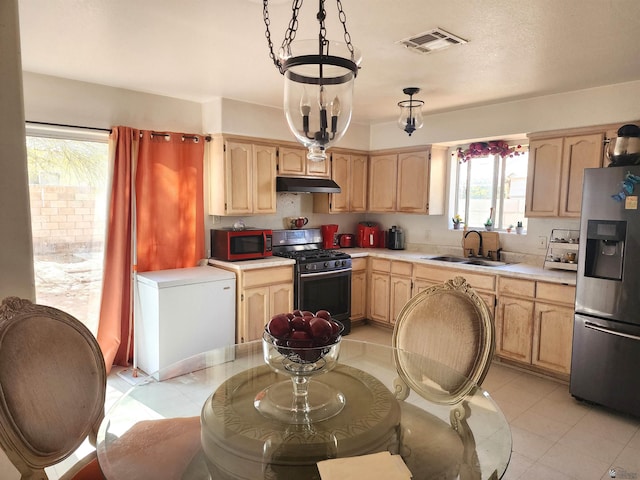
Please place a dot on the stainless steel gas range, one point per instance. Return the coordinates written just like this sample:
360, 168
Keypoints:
322, 279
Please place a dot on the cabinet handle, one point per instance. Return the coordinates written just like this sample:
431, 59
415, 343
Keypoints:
612, 332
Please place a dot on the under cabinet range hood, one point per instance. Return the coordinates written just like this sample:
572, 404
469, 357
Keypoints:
306, 185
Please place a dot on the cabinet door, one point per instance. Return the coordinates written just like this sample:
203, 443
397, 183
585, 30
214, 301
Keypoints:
318, 169
239, 178
543, 178
514, 329
264, 179
358, 183
256, 312
358, 295
552, 337
379, 303
420, 285
382, 183
280, 299
579, 153
340, 174
413, 182
400, 293
292, 161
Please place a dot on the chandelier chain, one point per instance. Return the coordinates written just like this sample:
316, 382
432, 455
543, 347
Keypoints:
343, 19
289, 35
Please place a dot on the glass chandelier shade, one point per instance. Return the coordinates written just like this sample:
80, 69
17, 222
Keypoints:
410, 112
319, 76
318, 94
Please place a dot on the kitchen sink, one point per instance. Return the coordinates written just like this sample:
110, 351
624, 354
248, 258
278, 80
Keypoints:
447, 259
468, 261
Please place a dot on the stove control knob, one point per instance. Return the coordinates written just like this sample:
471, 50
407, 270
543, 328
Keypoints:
338, 263
307, 266
327, 264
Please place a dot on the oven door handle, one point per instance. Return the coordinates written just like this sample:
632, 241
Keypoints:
323, 274
593, 326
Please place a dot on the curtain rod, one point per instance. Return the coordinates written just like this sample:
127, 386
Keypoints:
191, 137
69, 126
185, 136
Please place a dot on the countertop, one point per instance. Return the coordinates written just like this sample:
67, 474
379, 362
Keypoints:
514, 270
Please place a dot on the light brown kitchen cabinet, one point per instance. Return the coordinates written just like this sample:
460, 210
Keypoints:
293, 161
514, 328
534, 324
261, 293
358, 289
425, 276
407, 181
400, 287
555, 173
391, 287
552, 337
349, 171
242, 177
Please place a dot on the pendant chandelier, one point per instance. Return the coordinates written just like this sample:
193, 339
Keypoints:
410, 111
319, 77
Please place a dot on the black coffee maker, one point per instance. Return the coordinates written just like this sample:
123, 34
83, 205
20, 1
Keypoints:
395, 238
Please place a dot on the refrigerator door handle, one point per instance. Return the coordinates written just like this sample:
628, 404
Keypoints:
593, 326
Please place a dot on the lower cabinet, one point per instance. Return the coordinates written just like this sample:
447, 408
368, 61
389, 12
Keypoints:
358, 289
390, 286
261, 293
534, 323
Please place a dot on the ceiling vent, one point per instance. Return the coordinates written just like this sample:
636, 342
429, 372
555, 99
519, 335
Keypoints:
431, 41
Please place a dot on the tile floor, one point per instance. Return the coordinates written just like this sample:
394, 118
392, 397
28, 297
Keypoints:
554, 436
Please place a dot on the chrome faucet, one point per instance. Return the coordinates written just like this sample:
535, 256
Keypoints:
479, 252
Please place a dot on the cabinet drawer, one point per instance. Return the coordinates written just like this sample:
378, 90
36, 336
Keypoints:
401, 268
556, 292
267, 276
440, 275
516, 286
380, 265
358, 264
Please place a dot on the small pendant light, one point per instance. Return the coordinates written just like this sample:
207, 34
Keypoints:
410, 111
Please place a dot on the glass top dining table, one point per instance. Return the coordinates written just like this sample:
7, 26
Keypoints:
204, 418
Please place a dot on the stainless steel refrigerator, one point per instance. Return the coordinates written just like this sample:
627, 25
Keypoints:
605, 364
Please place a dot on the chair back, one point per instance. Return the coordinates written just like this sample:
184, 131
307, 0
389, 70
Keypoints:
445, 339
52, 385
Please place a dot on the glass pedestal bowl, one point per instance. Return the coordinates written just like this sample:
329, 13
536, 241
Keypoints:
299, 401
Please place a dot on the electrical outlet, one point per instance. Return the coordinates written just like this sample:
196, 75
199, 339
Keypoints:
542, 242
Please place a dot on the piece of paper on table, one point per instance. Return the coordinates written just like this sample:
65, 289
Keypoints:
375, 466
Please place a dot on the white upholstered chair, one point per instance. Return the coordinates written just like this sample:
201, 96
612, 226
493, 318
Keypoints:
445, 340
52, 392
52, 389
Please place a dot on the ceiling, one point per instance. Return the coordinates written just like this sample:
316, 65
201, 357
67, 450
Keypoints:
201, 49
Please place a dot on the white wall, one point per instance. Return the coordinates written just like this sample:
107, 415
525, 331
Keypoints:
58, 100
594, 106
16, 265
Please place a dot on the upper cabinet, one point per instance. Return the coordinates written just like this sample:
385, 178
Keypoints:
349, 171
241, 177
407, 181
293, 161
555, 173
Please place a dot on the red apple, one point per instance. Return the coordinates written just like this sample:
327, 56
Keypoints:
297, 313
300, 323
323, 314
299, 339
335, 327
307, 313
279, 326
320, 330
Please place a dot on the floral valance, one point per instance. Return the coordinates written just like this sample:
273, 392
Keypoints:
482, 149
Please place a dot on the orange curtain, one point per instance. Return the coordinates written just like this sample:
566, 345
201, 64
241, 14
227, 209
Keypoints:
156, 215
169, 202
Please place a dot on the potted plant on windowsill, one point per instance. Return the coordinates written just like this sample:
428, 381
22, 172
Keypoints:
488, 225
519, 228
457, 221
509, 228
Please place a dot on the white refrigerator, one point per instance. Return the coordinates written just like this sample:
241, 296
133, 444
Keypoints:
180, 313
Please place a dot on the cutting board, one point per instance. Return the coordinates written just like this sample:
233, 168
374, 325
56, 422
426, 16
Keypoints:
490, 244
